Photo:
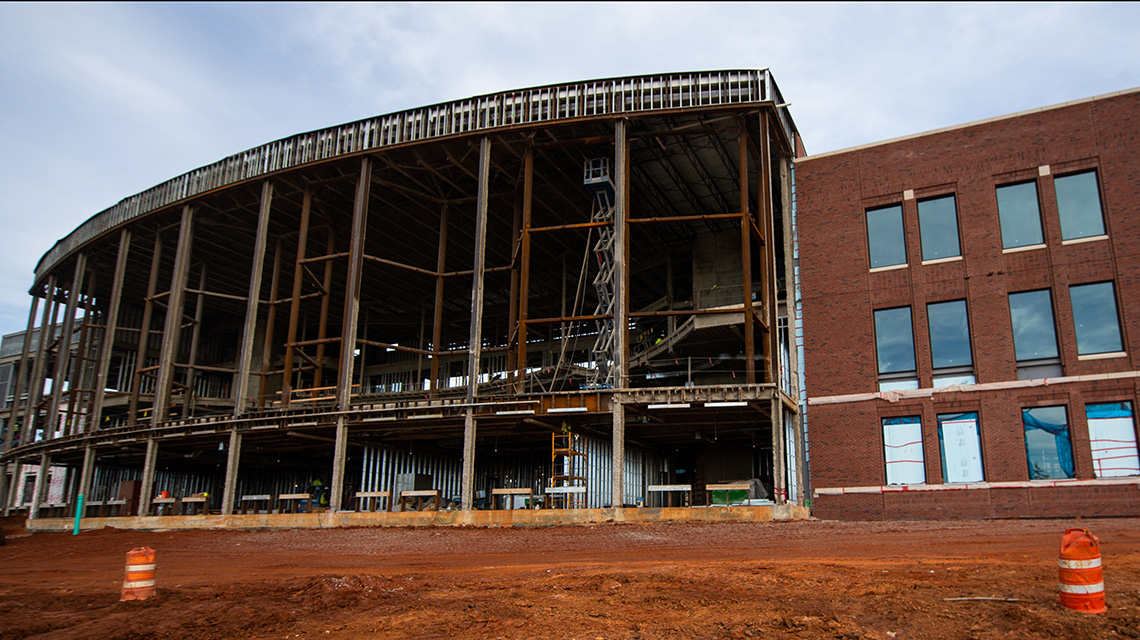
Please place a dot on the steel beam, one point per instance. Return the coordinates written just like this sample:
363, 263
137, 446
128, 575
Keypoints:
475, 341
295, 306
144, 335
621, 303
348, 328
173, 327
63, 351
245, 364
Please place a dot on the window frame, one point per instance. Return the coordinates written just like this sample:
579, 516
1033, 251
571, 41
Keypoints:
957, 228
959, 373
877, 241
1027, 428
1002, 219
897, 379
946, 418
1094, 440
1049, 364
1087, 314
1099, 204
904, 449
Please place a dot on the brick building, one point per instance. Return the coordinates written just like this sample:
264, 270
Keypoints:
970, 318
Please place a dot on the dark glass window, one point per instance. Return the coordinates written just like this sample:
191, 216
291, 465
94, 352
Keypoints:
1095, 319
1047, 446
949, 334
894, 340
938, 228
1031, 315
1078, 205
1019, 215
885, 236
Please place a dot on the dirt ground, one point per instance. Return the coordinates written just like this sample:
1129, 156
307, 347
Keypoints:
781, 580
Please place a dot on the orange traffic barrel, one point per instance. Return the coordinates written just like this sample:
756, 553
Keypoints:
138, 583
1081, 581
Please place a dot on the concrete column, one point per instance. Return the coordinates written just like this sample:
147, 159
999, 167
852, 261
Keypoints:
146, 491
348, 330
621, 305
41, 487
233, 459
173, 326
245, 363
475, 341
104, 364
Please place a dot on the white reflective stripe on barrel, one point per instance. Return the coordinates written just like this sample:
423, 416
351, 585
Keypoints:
1078, 564
1081, 588
138, 584
134, 568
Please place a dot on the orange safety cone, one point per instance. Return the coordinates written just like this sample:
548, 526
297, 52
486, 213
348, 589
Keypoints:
138, 583
1081, 582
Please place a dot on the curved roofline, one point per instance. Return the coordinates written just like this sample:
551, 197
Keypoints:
535, 105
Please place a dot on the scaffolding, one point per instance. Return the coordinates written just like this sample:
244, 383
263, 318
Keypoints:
596, 177
568, 470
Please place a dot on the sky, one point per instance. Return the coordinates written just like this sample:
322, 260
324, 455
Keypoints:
101, 101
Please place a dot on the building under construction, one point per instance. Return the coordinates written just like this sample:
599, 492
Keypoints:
570, 296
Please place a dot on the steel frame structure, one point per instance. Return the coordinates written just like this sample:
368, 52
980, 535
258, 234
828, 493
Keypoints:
417, 279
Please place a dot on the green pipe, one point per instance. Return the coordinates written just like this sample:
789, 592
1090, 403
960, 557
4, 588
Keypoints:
78, 514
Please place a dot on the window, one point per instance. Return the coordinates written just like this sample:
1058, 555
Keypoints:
885, 236
1112, 438
950, 343
902, 449
938, 228
1019, 215
1095, 319
961, 447
894, 346
1047, 446
1034, 335
1078, 205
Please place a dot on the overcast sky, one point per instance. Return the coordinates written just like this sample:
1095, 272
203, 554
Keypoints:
101, 101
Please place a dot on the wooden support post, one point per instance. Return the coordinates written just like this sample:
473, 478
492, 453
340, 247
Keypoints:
475, 342
348, 330
245, 364
36, 384
621, 304
146, 490
173, 326
233, 460
295, 306
437, 316
195, 334
270, 325
40, 489
524, 265
144, 333
63, 351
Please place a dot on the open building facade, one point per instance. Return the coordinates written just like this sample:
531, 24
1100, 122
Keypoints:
595, 295
580, 290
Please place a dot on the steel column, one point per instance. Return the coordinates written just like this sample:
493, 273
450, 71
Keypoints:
767, 219
621, 304
63, 351
241, 388
746, 258
270, 324
233, 459
348, 331
18, 386
144, 332
295, 307
437, 317
85, 474
146, 490
41, 487
36, 383
192, 360
475, 342
173, 328
326, 300
779, 465
524, 265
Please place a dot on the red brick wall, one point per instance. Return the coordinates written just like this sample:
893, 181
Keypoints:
840, 295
